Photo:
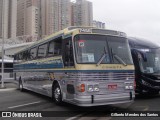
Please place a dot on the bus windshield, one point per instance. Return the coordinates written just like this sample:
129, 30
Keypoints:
152, 62
91, 48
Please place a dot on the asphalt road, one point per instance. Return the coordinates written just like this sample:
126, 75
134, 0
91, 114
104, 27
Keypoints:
12, 99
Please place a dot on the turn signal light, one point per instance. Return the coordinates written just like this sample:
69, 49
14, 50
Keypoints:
81, 88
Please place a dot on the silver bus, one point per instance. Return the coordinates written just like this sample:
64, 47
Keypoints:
80, 65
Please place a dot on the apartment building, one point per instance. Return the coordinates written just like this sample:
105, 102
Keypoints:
27, 18
55, 15
40, 18
82, 13
99, 24
8, 16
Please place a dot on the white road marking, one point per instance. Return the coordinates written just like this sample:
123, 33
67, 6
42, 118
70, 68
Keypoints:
24, 105
74, 117
145, 108
7, 89
81, 117
105, 118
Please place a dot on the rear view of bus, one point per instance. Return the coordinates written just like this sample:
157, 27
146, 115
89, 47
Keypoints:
106, 71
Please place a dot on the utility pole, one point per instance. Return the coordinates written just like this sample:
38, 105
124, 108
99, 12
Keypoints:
2, 69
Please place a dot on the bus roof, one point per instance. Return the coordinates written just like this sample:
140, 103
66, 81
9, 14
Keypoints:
138, 42
80, 29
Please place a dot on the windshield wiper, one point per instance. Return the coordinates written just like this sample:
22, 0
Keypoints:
119, 59
103, 56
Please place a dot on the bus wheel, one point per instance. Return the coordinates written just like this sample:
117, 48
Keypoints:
57, 96
21, 85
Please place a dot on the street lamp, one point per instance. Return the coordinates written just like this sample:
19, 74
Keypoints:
2, 78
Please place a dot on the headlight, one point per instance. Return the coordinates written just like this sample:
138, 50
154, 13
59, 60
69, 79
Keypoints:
131, 87
96, 87
90, 88
145, 83
128, 86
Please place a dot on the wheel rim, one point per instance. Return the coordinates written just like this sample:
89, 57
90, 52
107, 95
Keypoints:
20, 86
57, 94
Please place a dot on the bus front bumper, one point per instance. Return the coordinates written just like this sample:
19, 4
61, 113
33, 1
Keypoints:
95, 100
146, 87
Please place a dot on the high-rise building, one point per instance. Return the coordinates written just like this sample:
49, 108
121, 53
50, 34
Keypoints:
27, 18
42, 17
65, 13
98, 24
82, 13
48, 11
55, 15
8, 15
31, 21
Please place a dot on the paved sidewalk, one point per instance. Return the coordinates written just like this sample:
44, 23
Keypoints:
8, 86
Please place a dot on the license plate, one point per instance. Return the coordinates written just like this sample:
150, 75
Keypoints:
112, 87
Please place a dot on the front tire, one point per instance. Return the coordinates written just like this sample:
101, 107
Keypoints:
57, 95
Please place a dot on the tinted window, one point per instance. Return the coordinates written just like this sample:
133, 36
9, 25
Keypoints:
90, 48
33, 53
55, 48
152, 62
119, 47
104, 49
42, 50
21, 56
68, 52
16, 57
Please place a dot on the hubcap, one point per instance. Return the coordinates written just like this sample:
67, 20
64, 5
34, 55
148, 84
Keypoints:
20, 86
57, 93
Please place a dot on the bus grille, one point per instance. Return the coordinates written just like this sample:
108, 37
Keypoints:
102, 76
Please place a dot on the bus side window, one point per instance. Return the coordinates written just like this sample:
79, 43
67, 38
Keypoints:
51, 48
33, 53
20, 57
68, 52
55, 48
27, 56
42, 50
15, 57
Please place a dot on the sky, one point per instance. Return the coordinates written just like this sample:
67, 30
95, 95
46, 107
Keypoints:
137, 18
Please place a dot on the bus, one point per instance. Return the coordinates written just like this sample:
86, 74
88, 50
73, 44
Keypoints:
8, 69
83, 66
146, 58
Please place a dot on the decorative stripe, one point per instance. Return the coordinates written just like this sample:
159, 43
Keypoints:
75, 71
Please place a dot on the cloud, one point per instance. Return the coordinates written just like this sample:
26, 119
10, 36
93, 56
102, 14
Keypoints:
140, 18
